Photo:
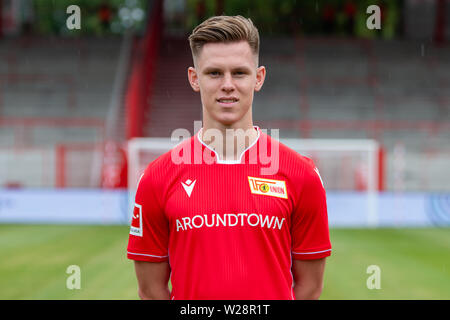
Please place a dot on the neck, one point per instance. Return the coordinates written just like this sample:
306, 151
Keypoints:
229, 141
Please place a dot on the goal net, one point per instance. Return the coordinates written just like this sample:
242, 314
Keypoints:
344, 165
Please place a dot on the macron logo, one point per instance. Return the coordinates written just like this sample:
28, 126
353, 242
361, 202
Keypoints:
188, 186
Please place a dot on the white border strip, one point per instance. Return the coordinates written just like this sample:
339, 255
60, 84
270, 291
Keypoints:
147, 255
311, 252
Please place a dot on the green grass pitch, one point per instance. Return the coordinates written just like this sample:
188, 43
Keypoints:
414, 263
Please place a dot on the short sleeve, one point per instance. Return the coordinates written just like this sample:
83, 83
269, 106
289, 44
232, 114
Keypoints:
309, 229
149, 230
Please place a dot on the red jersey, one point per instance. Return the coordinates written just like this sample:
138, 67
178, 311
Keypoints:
227, 230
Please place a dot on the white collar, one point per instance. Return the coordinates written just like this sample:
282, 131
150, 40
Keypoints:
218, 160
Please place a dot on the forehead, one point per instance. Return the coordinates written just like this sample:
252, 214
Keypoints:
222, 54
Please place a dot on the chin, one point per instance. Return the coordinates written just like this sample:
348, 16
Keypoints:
228, 120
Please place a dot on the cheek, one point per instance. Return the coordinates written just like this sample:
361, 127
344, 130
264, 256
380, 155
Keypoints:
208, 96
208, 88
247, 101
247, 86
247, 90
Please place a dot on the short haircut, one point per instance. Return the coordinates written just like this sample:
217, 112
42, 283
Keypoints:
224, 29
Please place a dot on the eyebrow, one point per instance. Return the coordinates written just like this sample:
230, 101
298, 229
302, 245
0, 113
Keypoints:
240, 68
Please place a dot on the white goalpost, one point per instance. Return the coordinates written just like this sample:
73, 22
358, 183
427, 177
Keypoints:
344, 165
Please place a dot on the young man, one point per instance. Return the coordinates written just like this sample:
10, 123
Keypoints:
214, 223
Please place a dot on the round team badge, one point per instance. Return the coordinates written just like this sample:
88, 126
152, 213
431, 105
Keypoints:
264, 187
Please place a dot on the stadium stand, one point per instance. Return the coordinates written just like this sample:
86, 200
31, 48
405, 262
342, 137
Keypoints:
173, 104
55, 97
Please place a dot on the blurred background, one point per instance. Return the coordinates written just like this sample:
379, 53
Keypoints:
376, 102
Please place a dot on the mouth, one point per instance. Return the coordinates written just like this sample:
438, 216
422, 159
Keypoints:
228, 101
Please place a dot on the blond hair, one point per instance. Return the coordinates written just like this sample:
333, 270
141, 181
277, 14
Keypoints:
224, 29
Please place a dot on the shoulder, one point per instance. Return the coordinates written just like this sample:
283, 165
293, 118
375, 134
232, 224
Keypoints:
300, 170
291, 159
160, 169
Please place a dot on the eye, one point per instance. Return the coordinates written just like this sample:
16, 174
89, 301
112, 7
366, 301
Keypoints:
214, 73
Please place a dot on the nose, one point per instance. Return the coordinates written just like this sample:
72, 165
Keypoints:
227, 84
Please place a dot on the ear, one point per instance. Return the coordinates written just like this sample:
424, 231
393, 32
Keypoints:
260, 77
193, 79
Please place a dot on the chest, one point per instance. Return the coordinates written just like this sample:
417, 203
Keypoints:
224, 190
